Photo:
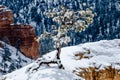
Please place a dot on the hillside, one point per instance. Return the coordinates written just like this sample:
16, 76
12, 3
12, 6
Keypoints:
92, 61
11, 59
106, 24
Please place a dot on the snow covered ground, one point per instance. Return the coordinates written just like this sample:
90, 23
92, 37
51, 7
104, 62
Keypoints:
104, 53
94, 54
44, 73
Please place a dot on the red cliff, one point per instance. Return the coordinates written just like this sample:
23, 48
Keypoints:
20, 36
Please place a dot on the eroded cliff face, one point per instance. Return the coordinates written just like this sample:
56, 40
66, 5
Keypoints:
20, 36
93, 73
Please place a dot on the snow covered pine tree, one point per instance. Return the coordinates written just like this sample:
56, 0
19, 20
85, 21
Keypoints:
66, 20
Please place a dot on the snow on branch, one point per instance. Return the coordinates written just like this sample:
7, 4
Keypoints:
68, 20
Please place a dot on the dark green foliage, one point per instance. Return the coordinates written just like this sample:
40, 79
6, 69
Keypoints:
8, 64
106, 24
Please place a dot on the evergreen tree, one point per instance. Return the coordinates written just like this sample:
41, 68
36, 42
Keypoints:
104, 24
67, 21
6, 57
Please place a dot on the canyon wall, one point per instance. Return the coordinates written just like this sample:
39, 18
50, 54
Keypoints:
20, 36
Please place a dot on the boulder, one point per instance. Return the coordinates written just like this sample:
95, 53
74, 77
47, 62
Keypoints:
20, 36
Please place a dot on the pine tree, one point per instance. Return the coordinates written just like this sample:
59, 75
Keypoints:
6, 57
67, 21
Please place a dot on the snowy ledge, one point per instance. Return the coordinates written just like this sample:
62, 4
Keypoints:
101, 54
104, 53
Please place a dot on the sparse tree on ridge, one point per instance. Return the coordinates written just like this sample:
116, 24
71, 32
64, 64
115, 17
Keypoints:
66, 21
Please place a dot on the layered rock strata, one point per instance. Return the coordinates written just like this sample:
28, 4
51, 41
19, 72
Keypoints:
20, 36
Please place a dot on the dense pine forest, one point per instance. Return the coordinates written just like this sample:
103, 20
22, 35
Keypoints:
106, 24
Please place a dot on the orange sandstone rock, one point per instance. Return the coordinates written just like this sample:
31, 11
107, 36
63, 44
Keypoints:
20, 36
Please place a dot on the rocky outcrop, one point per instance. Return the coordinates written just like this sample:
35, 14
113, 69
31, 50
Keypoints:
20, 36
93, 73
94, 60
6, 16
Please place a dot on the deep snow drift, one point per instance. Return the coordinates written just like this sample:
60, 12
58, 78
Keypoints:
104, 53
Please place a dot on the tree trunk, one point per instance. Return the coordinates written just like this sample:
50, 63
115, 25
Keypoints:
58, 52
58, 61
58, 58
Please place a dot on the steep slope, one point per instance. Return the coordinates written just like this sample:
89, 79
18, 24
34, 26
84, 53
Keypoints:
11, 59
92, 61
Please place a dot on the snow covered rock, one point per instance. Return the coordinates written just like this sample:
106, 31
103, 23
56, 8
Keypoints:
95, 60
43, 73
11, 59
92, 61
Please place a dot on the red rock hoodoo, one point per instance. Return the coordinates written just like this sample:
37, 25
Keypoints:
19, 36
